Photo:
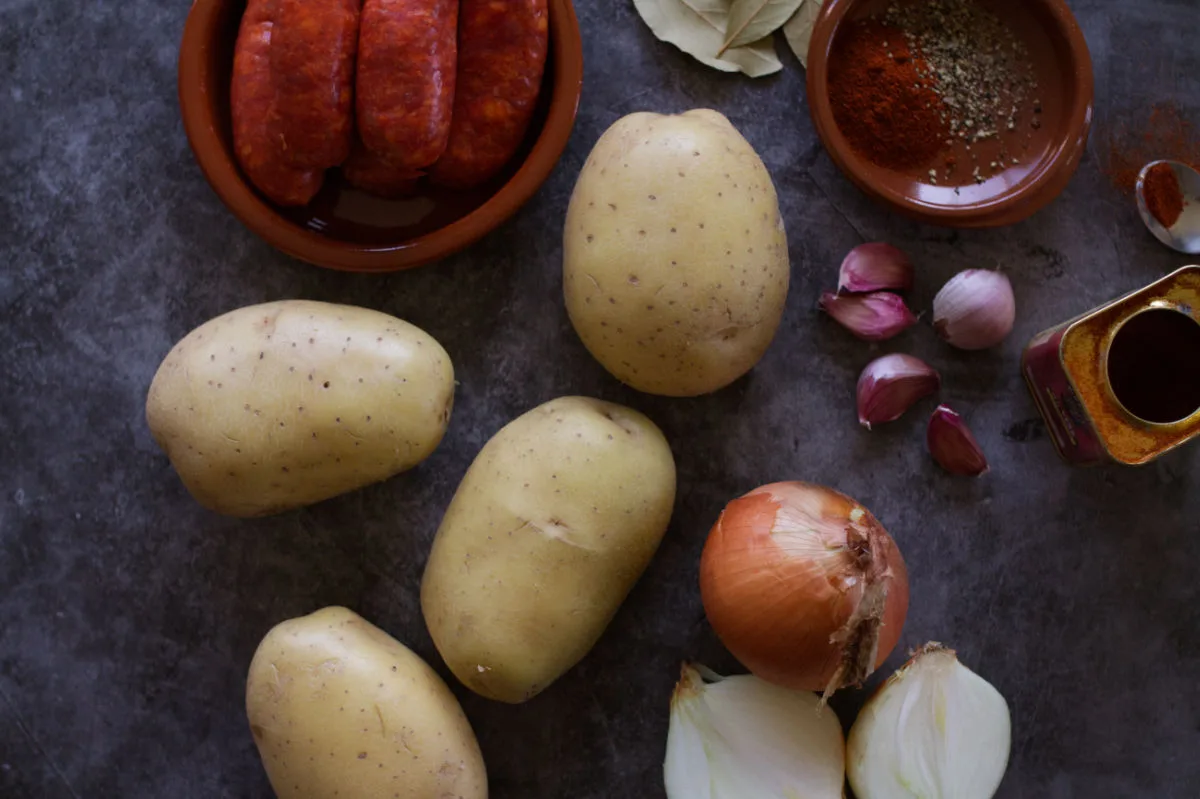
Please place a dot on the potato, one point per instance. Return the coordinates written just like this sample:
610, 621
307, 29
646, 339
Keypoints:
275, 406
337, 707
675, 262
549, 530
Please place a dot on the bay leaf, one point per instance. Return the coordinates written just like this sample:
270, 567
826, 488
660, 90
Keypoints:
751, 20
714, 11
798, 30
675, 22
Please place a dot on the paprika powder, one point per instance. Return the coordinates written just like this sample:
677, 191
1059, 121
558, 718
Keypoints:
1166, 134
1160, 190
881, 101
929, 86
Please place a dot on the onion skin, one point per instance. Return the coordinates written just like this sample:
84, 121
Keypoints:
789, 614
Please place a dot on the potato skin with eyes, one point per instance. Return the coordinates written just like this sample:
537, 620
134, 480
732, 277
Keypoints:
337, 707
275, 406
551, 526
675, 261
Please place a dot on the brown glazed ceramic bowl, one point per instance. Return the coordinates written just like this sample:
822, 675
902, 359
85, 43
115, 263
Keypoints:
343, 228
1063, 70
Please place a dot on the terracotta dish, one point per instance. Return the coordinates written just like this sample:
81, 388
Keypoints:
343, 228
1063, 70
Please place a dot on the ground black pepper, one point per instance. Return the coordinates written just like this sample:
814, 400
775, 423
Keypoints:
977, 66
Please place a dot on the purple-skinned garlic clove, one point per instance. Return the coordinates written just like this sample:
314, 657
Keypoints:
952, 445
975, 309
871, 317
875, 266
890, 385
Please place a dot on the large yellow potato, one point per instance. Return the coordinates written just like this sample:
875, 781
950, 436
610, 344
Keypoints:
338, 708
275, 406
549, 530
675, 262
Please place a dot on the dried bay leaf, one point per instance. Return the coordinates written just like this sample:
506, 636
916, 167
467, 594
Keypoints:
715, 11
700, 35
798, 29
751, 20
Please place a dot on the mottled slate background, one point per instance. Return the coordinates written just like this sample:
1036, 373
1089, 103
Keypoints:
128, 615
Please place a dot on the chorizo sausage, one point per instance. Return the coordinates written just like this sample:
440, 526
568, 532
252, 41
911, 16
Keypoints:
367, 171
407, 52
252, 106
313, 47
501, 56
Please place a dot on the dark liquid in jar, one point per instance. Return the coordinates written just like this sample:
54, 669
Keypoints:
1154, 366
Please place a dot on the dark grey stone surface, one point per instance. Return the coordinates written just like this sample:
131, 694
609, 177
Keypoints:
128, 615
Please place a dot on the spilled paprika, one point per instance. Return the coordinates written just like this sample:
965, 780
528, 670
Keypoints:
1160, 190
1166, 132
882, 102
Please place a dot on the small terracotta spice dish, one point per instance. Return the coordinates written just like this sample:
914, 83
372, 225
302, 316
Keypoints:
941, 146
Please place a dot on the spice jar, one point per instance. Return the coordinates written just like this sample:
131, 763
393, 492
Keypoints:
1122, 381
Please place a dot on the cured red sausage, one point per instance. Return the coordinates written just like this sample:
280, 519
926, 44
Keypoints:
313, 47
405, 83
252, 101
501, 56
367, 171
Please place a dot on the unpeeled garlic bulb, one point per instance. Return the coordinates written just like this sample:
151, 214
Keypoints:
744, 738
935, 729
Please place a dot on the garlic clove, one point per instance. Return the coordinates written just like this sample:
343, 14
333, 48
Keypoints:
740, 737
890, 385
875, 266
952, 445
934, 729
871, 317
975, 309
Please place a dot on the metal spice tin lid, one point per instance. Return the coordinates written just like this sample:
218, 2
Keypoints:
1084, 352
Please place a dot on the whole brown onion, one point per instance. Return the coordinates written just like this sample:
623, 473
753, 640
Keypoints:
804, 586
